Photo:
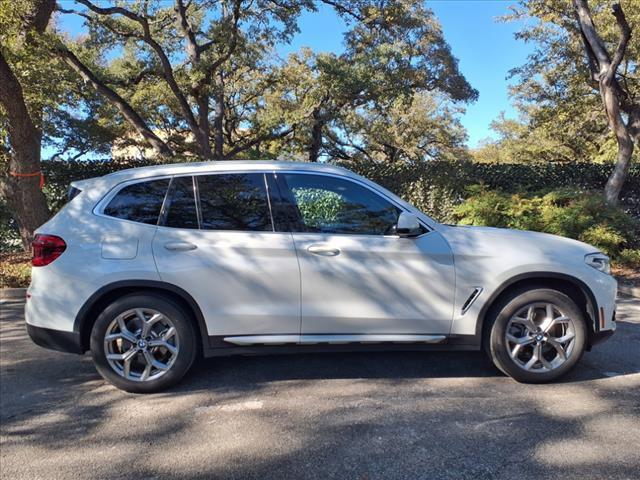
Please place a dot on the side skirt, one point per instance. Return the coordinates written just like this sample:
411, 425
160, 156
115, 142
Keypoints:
218, 347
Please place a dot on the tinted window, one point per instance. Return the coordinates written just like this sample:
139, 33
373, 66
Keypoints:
140, 202
333, 205
182, 205
234, 202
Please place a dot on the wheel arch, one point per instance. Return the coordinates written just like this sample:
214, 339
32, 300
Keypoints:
573, 287
99, 300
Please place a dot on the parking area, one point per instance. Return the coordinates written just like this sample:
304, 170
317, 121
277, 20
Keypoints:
361, 416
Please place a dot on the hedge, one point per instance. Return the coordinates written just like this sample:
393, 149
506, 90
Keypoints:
435, 187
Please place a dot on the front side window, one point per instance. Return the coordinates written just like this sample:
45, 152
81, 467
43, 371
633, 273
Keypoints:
140, 202
333, 205
234, 201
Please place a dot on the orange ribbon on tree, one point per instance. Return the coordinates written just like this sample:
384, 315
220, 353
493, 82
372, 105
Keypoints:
38, 173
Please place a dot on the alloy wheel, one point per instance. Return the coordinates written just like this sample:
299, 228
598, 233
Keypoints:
540, 337
141, 344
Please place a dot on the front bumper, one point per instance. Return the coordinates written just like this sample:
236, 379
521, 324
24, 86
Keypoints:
55, 339
599, 336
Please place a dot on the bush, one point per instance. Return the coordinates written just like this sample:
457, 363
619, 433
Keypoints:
582, 215
15, 270
630, 257
436, 187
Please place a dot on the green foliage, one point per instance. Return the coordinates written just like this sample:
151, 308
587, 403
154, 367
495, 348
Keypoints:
318, 207
436, 187
554, 197
582, 215
630, 257
561, 117
15, 270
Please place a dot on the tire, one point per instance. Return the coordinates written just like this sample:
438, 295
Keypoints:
149, 363
509, 326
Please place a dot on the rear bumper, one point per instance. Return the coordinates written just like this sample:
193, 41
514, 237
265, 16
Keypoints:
55, 339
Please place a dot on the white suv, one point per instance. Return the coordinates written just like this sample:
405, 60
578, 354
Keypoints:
152, 267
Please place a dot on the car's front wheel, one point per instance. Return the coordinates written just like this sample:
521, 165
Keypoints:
536, 335
143, 343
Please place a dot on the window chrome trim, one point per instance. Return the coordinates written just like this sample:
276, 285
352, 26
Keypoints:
402, 208
100, 205
196, 199
268, 192
332, 339
98, 209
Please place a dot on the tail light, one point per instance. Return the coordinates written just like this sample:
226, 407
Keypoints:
46, 248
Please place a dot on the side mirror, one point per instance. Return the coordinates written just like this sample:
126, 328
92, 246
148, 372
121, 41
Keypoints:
408, 225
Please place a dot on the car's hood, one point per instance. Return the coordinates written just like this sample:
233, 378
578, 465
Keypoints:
489, 241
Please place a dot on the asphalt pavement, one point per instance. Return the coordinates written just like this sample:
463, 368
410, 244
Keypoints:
355, 416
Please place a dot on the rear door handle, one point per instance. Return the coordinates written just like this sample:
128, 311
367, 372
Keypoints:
324, 250
180, 246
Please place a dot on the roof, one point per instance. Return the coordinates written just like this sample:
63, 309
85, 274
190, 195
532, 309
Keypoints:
221, 165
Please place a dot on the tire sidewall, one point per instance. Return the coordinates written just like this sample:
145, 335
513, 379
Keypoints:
498, 348
171, 310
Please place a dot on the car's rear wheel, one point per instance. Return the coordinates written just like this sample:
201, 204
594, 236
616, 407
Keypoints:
536, 335
143, 343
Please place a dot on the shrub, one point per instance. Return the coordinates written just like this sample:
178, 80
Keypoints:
630, 257
582, 215
15, 270
436, 187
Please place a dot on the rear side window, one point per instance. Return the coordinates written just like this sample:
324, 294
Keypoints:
140, 202
73, 193
234, 201
182, 204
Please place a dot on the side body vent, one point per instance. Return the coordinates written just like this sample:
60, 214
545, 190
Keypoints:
472, 298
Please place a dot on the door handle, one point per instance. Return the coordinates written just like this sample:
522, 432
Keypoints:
180, 246
324, 250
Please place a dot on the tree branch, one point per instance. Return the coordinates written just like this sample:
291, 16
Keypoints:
588, 29
39, 16
344, 10
234, 40
625, 35
167, 68
123, 107
255, 141
192, 46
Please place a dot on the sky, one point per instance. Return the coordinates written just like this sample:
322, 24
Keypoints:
486, 50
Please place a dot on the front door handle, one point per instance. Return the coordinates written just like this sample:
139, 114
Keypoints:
324, 250
180, 246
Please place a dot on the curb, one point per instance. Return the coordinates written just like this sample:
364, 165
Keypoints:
13, 294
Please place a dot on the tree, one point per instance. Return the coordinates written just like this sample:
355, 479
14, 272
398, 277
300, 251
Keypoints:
558, 91
616, 98
22, 23
186, 51
397, 67
202, 77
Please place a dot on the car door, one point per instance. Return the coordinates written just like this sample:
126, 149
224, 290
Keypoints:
216, 241
359, 277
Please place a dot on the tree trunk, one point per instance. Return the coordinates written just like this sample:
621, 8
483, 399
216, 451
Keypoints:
21, 188
218, 119
203, 131
316, 137
625, 145
603, 69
